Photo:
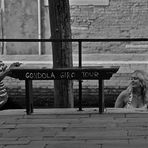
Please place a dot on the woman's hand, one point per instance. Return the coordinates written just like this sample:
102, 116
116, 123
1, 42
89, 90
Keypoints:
14, 65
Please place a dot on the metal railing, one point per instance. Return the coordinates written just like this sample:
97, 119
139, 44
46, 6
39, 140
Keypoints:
79, 41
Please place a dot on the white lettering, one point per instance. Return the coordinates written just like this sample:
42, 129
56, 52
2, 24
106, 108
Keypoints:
27, 75
90, 75
52, 75
67, 75
39, 75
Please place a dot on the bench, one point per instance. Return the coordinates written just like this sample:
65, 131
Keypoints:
29, 74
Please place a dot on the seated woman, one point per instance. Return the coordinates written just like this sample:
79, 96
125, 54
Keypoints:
136, 94
5, 71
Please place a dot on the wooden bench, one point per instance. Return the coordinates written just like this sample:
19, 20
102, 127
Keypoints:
29, 74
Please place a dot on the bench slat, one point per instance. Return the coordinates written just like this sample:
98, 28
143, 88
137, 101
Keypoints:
74, 73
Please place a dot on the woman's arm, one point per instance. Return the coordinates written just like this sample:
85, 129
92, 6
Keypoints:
7, 70
4, 74
120, 102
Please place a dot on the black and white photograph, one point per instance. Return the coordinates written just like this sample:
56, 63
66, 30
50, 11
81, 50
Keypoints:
73, 73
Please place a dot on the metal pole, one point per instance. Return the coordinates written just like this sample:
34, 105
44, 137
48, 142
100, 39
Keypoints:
80, 81
39, 26
2, 27
101, 96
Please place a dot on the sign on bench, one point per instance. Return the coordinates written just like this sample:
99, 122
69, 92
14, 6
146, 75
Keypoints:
64, 73
86, 73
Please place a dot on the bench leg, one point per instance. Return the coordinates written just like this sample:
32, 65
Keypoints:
29, 97
101, 96
80, 95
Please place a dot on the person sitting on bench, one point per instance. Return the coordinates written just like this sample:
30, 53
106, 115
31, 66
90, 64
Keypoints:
5, 71
136, 94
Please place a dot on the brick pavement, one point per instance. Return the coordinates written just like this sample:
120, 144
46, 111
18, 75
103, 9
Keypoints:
64, 128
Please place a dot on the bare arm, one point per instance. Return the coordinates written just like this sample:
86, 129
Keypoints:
4, 74
7, 70
120, 102
146, 99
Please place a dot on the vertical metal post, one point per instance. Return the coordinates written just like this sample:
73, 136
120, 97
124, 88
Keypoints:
80, 54
29, 97
80, 81
101, 96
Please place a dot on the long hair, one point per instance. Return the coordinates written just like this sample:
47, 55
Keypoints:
143, 79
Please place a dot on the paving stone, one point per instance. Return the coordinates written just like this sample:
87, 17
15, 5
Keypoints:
134, 128
125, 145
94, 134
40, 116
95, 125
136, 119
138, 140
84, 130
8, 126
132, 124
33, 134
8, 139
75, 116
15, 142
2, 122
36, 144
137, 115
72, 145
55, 116
108, 141
23, 132
138, 132
4, 131
42, 125
60, 139
46, 121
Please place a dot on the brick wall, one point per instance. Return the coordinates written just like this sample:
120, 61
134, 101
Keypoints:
43, 96
118, 19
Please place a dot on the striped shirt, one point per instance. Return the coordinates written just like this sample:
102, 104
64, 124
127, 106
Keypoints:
3, 91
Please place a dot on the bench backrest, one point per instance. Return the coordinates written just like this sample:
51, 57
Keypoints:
64, 73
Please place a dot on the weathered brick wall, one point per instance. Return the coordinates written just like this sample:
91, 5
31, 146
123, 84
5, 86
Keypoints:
44, 97
119, 19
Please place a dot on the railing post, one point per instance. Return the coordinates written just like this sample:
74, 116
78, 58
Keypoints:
80, 54
101, 96
80, 81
